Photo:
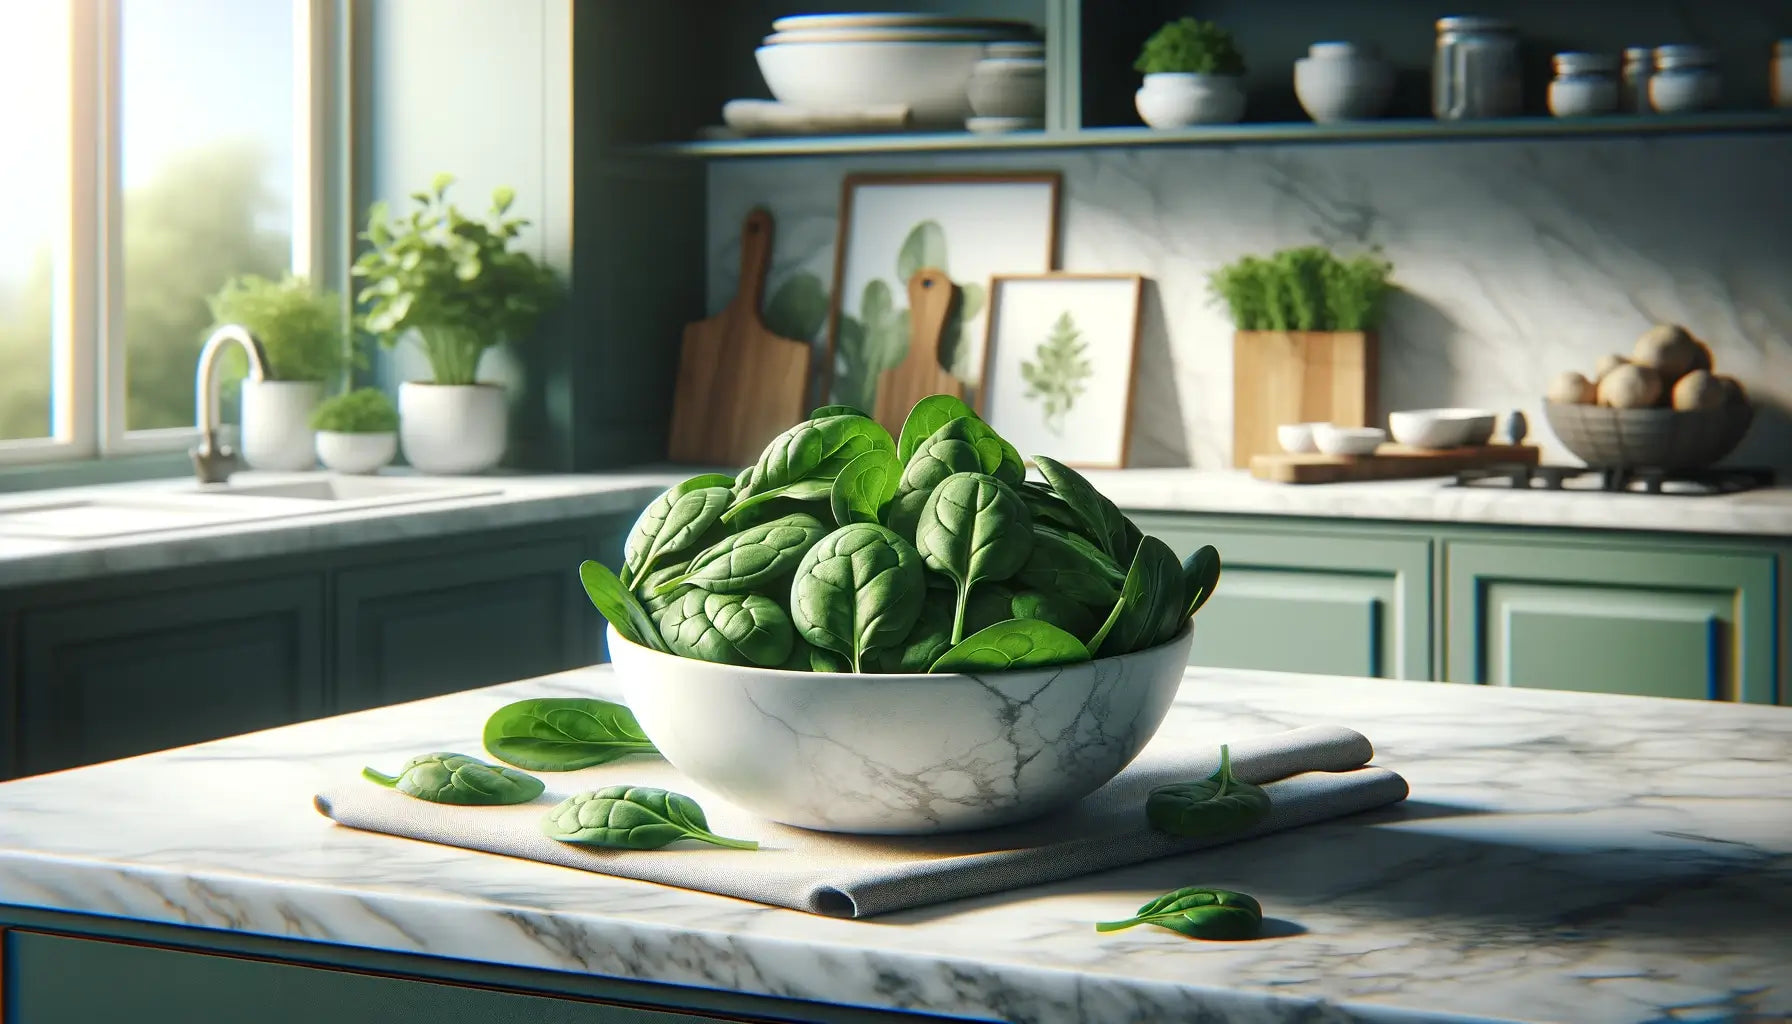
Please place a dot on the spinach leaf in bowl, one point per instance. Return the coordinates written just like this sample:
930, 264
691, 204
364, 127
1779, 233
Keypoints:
973, 528
860, 588
674, 521
730, 629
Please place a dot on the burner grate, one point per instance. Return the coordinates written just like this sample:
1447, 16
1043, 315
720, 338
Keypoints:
1619, 479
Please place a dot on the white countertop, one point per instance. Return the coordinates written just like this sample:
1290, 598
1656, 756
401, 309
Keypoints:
1563, 856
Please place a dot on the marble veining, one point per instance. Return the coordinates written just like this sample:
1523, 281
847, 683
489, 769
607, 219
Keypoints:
1562, 856
1516, 260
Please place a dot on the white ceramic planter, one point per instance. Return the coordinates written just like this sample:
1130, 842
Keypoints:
276, 431
356, 453
1176, 100
900, 754
1343, 82
452, 429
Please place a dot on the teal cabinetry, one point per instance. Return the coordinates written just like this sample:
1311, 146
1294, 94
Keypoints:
1647, 620
1331, 601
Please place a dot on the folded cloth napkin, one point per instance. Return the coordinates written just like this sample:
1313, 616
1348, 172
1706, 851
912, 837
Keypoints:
1312, 773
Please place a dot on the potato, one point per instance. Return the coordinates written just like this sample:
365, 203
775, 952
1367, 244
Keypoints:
1703, 361
1668, 349
1700, 390
1607, 364
1570, 388
1733, 390
1630, 387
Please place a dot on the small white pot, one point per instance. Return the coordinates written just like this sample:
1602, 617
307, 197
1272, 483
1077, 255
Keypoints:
276, 433
1176, 100
356, 453
452, 429
1343, 82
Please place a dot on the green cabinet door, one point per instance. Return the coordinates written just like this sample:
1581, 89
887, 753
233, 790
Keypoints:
478, 613
115, 676
1306, 600
1650, 620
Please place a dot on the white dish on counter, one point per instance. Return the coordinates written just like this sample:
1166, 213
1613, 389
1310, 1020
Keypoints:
1441, 428
1336, 440
928, 78
1297, 438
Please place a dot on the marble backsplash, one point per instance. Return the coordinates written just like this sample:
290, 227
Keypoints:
1515, 260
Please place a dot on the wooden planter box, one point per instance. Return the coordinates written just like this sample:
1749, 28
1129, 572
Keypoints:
1298, 377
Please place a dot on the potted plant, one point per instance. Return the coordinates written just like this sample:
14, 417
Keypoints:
458, 287
301, 332
1302, 315
1194, 74
356, 432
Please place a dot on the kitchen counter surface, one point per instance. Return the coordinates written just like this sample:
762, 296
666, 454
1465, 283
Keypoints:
1563, 857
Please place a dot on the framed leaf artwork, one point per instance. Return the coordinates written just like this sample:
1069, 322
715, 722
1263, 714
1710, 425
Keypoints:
1058, 361
971, 226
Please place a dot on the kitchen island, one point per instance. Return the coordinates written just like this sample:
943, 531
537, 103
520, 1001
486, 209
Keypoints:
1563, 856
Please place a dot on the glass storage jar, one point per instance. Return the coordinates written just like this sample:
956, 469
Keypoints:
1585, 84
1685, 79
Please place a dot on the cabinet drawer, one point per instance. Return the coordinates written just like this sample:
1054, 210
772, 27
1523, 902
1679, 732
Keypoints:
1337, 604
1638, 620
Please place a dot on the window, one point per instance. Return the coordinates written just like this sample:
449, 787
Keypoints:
149, 151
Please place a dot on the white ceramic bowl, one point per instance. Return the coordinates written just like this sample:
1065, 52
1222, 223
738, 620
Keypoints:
1297, 438
930, 78
1335, 440
1441, 428
900, 754
812, 22
1343, 82
890, 35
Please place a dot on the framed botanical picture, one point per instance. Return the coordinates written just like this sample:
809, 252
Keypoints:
892, 226
1058, 364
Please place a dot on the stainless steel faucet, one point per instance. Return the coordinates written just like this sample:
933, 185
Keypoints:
212, 461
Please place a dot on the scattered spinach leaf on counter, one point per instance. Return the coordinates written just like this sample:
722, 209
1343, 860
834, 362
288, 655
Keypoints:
563, 734
1218, 805
448, 778
1199, 913
620, 607
633, 818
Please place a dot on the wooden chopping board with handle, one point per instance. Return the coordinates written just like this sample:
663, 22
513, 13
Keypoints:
1390, 462
739, 385
930, 297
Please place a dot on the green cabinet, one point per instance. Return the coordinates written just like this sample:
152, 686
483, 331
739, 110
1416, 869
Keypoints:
1334, 602
1638, 619
125, 675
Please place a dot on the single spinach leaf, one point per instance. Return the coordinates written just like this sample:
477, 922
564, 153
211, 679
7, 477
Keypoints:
1050, 509
563, 734
673, 521
1150, 609
860, 588
1200, 574
1067, 564
929, 415
1101, 519
1199, 913
823, 660
838, 410
948, 450
652, 582
1062, 612
804, 460
448, 778
620, 607
633, 818
1218, 805
730, 629
864, 487
930, 637
1013, 644
973, 528
752, 559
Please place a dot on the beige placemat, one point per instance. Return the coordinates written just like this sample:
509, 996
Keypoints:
1312, 773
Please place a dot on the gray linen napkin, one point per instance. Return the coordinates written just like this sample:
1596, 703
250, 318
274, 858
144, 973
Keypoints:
1312, 773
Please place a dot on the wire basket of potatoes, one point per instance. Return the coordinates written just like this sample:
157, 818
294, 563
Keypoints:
1661, 407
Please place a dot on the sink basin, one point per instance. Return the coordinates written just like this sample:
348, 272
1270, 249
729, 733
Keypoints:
368, 489
91, 519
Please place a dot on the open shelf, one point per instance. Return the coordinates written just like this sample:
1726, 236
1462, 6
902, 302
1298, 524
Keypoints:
1406, 129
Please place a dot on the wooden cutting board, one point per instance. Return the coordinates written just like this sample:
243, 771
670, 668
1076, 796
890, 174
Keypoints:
739, 384
1390, 462
1298, 377
930, 297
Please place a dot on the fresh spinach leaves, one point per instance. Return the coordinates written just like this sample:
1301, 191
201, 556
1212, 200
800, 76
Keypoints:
448, 778
619, 606
751, 559
563, 734
674, 521
1200, 574
1199, 913
633, 818
864, 487
1150, 608
1012, 644
973, 528
1218, 805
857, 590
731, 629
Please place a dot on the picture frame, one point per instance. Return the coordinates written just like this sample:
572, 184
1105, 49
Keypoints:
998, 222
1061, 353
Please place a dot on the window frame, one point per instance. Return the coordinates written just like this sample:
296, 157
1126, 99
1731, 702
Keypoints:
88, 375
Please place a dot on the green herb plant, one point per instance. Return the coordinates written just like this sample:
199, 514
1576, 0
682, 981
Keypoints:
301, 329
1190, 45
843, 549
1304, 289
1218, 805
633, 818
1199, 913
459, 284
1059, 372
361, 411
448, 778
563, 734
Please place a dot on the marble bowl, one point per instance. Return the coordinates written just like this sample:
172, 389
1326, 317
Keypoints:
900, 754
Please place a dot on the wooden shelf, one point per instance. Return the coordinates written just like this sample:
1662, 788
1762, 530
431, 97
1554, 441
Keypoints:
1386, 130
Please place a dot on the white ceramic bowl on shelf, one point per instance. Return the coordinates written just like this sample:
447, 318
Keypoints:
1336, 440
929, 78
888, 20
1343, 82
900, 754
1441, 428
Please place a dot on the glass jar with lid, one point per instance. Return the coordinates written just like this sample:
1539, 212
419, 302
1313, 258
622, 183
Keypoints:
1475, 71
1685, 79
1585, 84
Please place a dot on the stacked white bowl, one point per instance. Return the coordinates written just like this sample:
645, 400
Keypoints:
854, 62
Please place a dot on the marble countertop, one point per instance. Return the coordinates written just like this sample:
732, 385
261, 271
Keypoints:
1563, 857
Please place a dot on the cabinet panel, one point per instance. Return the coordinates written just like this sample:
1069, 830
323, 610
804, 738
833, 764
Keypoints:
1338, 604
115, 677
418, 627
1639, 620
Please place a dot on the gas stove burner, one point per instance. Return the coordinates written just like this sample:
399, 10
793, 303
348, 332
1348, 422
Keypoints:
1619, 479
